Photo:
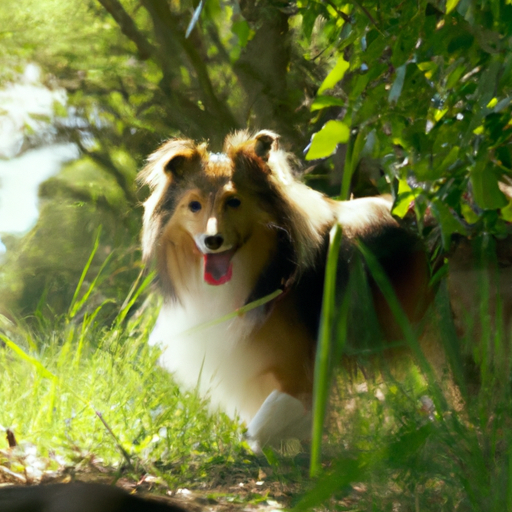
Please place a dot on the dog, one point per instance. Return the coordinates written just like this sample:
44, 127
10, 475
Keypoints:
227, 229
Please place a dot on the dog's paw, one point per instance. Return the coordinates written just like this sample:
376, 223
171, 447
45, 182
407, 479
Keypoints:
280, 417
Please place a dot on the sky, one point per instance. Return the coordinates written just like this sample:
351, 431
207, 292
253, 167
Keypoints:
26, 104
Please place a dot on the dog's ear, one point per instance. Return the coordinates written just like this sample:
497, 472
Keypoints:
174, 159
177, 164
180, 160
243, 145
266, 141
251, 155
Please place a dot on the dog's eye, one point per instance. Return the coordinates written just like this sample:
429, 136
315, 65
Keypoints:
194, 206
233, 202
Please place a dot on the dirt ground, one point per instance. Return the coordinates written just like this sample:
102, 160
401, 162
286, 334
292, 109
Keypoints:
220, 491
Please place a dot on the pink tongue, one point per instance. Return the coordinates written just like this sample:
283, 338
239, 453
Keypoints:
218, 268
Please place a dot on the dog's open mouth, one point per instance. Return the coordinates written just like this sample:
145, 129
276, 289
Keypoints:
218, 268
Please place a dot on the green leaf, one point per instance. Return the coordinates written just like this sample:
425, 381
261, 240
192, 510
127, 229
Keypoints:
271, 456
403, 47
309, 17
455, 76
506, 212
325, 141
337, 480
326, 101
398, 84
450, 159
469, 215
486, 191
450, 5
337, 73
487, 83
242, 31
406, 195
447, 220
408, 445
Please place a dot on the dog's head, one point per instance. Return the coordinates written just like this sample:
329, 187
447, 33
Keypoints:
213, 202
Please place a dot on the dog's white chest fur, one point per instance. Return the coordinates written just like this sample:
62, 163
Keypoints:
215, 359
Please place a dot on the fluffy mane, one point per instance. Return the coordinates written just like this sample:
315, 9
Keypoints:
159, 181
255, 161
306, 213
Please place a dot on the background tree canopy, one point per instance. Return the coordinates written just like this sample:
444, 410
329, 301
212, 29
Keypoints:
412, 97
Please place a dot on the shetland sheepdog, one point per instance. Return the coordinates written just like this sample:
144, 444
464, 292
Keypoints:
226, 229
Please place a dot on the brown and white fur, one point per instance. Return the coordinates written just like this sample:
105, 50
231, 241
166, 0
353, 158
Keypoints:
227, 229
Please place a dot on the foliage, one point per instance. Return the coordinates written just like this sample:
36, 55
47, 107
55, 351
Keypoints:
417, 437
426, 89
133, 78
41, 271
392, 448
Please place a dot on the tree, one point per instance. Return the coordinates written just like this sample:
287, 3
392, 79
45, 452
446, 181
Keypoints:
414, 98
134, 77
426, 89
423, 84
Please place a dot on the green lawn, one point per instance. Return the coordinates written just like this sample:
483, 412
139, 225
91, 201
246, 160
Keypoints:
90, 400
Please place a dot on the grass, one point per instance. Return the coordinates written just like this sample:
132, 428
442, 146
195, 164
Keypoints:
54, 392
417, 438
92, 398
85, 393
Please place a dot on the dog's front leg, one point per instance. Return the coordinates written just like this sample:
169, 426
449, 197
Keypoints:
280, 417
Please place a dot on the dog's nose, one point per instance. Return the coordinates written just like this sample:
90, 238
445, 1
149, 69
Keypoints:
213, 242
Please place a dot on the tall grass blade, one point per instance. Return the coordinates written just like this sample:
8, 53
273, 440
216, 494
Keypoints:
345, 471
387, 290
238, 312
323, 355
41, 370
74, 307
354, 148
133, 295
87, 322
56, 382
83, 300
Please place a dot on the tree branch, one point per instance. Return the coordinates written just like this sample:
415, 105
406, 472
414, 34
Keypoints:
103, 159
184, 113
340, 13
167, 26
263, 71
128, 28
368, 15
